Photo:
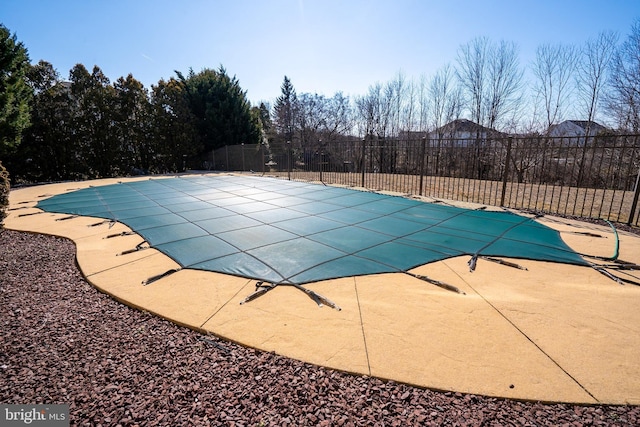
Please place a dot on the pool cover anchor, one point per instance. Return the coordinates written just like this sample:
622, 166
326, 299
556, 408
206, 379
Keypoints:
438, 283
138, 247
319, 299
474, 258
603, 269
620, 264
111, 223
19, 207
121, 234
30, 214
262, 288
472, 263
609, 275
504, 262
64, 218
157, 277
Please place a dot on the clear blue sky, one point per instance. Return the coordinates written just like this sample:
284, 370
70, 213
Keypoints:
323, 46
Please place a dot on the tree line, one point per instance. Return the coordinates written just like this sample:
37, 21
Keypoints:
85, 126
486, 84
54, 129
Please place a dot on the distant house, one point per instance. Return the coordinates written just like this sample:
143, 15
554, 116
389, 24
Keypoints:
575, 129
464, 132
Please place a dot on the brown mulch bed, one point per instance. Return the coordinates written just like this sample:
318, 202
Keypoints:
65, 342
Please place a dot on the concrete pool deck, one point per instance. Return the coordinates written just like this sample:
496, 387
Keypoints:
553, 332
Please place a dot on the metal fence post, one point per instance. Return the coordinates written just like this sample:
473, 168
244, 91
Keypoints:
289, 160
364, 163
505, 177
636, 194
243, 166
321, 160
422, 151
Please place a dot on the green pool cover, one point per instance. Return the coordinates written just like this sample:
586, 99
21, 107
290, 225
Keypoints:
288, 232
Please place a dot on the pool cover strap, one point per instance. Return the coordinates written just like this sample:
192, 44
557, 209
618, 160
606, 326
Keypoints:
262, 288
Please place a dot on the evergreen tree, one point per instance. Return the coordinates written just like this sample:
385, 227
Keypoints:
14, 91
174, 127
94, 123
47, 152
222, 112
265, 118
284, 111
133, 126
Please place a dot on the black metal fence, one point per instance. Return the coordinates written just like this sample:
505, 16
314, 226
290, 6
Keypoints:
594, 178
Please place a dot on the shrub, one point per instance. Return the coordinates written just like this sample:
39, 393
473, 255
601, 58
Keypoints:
4, 193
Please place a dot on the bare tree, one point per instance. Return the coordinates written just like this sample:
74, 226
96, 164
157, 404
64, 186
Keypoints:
623, 101
445, 105
592, 69
445, 98
423, 104
374, 111
491, 79
338, 119
553, 68
395, 92
310, 115
504, 83
472, 74
409, 110
323, 118
591, 78
400, 94
366, 111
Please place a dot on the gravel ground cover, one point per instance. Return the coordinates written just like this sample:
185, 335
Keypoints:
65, 342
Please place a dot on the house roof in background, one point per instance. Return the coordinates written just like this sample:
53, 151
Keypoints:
464, 125
564, 127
